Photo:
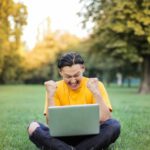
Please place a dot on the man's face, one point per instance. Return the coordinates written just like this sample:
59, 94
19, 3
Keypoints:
72, 75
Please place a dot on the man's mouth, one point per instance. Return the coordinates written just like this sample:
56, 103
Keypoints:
74, 85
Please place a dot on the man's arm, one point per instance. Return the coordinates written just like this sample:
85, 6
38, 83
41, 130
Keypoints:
51, 87
104, 110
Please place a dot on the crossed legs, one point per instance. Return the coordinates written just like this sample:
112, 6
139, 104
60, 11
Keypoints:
39, 134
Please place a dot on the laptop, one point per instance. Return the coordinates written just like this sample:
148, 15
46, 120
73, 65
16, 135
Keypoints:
73, 120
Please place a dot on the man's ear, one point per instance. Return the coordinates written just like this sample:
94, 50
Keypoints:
83, 68
60, 72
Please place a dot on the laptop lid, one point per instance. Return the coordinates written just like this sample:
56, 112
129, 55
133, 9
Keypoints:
73, 120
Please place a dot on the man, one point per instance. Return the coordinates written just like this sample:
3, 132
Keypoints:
76, 89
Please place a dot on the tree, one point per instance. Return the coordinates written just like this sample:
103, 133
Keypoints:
12, 19
122, 32
39, 64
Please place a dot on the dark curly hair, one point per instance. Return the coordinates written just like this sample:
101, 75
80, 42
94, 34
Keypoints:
69, 59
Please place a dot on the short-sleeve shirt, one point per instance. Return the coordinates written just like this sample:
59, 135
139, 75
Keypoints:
64, 95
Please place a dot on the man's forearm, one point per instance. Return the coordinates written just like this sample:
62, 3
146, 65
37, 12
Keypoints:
50, 103
51, 100
104, 110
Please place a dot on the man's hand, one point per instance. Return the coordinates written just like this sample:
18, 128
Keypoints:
51, 87
93, 85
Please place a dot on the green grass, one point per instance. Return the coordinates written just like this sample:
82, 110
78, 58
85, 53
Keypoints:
21, 104
132, 110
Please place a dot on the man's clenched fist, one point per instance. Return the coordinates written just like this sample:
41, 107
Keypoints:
93, 85
50, 87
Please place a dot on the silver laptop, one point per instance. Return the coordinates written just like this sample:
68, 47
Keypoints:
73, 120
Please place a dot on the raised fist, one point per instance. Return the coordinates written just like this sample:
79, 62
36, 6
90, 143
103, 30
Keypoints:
51, 87
92, 85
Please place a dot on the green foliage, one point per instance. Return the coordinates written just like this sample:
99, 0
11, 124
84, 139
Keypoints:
121, 32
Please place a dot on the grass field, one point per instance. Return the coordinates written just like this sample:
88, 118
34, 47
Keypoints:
21, 104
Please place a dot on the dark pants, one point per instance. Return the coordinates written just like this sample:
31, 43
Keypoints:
109, 132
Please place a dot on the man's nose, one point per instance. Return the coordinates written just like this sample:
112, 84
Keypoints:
73, 80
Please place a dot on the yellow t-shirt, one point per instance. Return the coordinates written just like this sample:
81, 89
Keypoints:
64, 95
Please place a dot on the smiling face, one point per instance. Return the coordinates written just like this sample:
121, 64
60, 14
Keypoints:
72, 75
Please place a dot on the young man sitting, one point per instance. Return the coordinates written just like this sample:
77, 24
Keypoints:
76, 89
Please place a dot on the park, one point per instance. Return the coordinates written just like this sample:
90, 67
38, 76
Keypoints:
116, 51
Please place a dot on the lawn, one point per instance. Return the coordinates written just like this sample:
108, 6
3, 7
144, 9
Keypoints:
21, 104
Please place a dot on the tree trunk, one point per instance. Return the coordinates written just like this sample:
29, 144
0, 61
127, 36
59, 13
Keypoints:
145, 84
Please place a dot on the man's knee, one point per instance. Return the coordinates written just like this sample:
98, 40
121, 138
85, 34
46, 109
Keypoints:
115, 127
32, 127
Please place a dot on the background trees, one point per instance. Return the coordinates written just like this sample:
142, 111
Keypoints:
40, 64
121, 35
119, 43
17, 64
12, 19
